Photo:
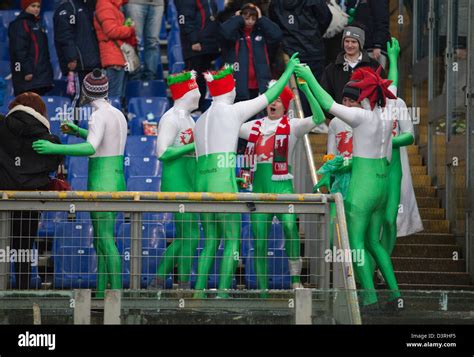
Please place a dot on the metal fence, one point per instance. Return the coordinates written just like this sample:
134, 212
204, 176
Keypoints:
65, 259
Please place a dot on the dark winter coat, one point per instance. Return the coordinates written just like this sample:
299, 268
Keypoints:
235, 50
21, 168
75, 37
303, 23
198, 24
338, 73
374, 15
29, 54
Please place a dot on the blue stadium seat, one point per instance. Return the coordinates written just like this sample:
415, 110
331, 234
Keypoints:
48, 21
9, 91
3, 33
48, 221
5, 69
4, 50
6, 101
8, 16
159, 72
139, 145
220, 5
35, 279
136, 166
162, 217
145, 89
178, 67
172, 13
78, 167
75, 262
141, 109
58, 109
153, 247
145, 184
78, 183
163, 32
116, 102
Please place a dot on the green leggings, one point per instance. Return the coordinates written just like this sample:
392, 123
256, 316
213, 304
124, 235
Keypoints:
365, 211
178, 176
106, 175
216, 173
261, 223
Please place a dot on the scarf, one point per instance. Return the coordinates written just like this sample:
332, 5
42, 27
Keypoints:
280, 150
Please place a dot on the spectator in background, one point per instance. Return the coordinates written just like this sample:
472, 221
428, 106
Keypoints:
374, 15
303, 23
29, 55
21, 168
76, 42
338, 73
245, 38
232, 6
109, 23
147, 16
199, 31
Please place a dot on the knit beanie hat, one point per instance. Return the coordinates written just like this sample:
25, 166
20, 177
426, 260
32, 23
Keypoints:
25, 3
351, 92
182, 83
220, 82
356, 33
95, 85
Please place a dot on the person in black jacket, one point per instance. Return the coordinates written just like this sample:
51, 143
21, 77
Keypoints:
303, 23
245, 38
375, 16
338, 73
21, 168
29, 55
76, 41
199, 31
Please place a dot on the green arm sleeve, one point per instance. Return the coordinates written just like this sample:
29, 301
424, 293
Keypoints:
82, 133
318, 115
275, 90
393, 51
82, 149
175, 152
402, 140
324, 99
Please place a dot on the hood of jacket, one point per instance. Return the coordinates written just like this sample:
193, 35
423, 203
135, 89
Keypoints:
290, 4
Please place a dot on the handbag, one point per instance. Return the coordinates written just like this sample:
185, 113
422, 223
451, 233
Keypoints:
59, 183
132, 61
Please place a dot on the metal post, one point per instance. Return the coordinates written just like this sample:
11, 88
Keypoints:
469, 145
303, 307
450, 182
135, 250
431, 56
112, 307
82, 307
4, 242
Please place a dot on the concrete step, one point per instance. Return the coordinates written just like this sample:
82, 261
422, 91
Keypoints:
428, 238
415, 160
429, 264
418, 170
446, 251
432, 213
428, 202
426, 191
412, 149
435, 226
432, 278
408, 286
421, 181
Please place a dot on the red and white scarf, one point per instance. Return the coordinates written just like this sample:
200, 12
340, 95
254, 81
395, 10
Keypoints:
280, 151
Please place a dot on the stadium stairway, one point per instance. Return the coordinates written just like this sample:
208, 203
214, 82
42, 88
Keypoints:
425, 260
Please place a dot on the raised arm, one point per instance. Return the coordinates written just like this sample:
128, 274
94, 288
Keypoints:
393, 51
351, 116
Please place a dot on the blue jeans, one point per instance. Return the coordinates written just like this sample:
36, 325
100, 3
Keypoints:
117, 80
147, 20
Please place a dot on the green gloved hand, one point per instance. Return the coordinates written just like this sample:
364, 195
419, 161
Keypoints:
275, 90
324, 99
318, 115
351, 13
324, 182
45, 147
72, 129
393, 51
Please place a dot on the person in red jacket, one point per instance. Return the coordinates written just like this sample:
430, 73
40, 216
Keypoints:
109, 23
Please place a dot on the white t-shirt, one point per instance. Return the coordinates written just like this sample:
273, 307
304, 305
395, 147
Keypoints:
339, 138
107, 130
266, 144
217, 129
